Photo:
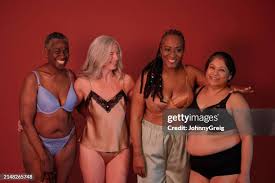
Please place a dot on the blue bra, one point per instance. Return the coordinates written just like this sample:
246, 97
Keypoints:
47, 102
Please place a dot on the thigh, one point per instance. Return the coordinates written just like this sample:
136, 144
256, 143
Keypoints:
64, 160
117, 169
155, 160
195, 177
92, 165
31, 160
225, 179
177, 169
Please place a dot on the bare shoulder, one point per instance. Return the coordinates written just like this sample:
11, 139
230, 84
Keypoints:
237, 100
81, 82
30, 80
190, 69
29, 86
128, 82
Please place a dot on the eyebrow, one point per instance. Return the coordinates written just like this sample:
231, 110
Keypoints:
171, 46
217, 66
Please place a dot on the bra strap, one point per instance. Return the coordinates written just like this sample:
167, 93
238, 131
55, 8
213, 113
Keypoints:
224, 101
37, 77
199, 91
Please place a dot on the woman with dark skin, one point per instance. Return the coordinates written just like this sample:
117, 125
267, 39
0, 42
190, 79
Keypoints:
158, 92
164, 83
48, 141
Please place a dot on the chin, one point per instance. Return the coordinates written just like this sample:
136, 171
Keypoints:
60, 67
216, 83
172, 65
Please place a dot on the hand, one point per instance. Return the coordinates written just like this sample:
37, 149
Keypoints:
243, 90
139, 165
19, 126
243, 178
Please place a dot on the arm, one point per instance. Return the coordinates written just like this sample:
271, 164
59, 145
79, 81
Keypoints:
199, 76
78, 87
136, 115
128, 86
27, 109
201, 81
241, 114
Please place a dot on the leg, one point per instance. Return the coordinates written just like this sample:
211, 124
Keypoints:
117, 169
31, 159
196, 177
92, 165
225, 179
177, 169
153, 150
64, 160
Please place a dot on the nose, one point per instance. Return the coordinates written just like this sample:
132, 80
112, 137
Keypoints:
63, 55
215, 72
115, 56
172, 54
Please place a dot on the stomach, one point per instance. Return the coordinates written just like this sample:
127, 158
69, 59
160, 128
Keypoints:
201, 145
55, 125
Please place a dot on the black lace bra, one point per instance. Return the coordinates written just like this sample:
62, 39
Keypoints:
106, 105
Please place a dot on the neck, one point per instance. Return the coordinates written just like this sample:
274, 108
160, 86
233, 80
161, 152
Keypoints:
173, 70
106, 75
53, 70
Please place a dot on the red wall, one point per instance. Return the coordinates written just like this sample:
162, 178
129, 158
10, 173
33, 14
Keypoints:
244, 28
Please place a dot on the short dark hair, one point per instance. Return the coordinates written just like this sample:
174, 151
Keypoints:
55, 35
228, 60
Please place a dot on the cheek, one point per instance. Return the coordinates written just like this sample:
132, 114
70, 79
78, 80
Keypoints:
224, 75
180, 55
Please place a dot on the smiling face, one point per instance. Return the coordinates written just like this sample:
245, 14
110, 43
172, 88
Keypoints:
114, 57
58, 53
217, 73
171, 51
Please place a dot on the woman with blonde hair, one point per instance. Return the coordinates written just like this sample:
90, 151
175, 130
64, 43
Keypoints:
105, 91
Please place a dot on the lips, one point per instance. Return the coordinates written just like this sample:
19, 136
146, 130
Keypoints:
214, 78
171, 61
61, 62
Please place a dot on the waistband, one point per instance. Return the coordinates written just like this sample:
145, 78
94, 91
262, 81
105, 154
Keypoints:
58, 139
151, 125
236, 149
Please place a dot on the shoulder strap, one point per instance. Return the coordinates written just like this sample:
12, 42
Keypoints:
37, 77
224, 101
199, 91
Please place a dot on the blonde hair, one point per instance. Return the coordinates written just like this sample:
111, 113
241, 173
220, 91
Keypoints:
98, 55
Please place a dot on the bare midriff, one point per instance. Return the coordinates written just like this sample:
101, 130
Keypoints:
54, 125
201, 145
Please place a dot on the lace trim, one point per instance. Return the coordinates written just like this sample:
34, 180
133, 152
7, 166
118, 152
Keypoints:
106, 105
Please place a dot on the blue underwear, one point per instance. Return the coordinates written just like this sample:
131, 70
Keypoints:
55, 145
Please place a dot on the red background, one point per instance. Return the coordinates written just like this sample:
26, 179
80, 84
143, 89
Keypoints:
243, 28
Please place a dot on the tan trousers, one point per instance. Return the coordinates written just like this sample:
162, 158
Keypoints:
166, 158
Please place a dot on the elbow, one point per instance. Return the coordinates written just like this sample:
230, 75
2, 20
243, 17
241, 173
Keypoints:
24, 124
